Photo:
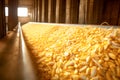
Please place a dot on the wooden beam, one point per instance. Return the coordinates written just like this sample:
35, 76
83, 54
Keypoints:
12, 17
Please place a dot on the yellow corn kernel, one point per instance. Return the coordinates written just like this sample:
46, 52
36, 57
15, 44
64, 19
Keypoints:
88, 71
88, 59
83, 68
111, 55
75, 77
118, 71
93, 71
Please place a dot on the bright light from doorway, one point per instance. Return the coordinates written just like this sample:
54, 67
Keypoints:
6, 11
22, 12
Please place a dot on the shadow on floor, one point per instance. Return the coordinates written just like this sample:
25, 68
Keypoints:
10, 58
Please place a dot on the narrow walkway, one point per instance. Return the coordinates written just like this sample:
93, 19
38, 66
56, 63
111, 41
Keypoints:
10, 59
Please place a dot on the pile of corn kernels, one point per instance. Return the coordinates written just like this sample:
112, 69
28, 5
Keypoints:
74, 53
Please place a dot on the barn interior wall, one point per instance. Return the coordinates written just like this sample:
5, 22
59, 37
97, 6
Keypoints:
85, 11
23, 3
72, 11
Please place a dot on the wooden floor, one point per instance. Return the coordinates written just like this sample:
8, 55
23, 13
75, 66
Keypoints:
10, 58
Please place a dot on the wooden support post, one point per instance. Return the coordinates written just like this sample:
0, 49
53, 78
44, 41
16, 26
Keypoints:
2, 19
12, 17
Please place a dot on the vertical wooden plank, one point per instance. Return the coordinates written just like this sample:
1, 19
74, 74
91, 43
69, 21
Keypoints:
74, 10
86, 10
119, 15
36, 10
60, 11
44, 10
38, 7
111, 12
33, 14
100, 11
97, 11
57, 11
51, 10
114, 13
39, 10
107, 11
68, 3
83, 11
90, 11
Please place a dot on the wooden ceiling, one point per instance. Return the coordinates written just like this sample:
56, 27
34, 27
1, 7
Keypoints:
23, 2
6, 2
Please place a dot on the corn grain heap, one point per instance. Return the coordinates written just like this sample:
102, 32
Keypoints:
74, 53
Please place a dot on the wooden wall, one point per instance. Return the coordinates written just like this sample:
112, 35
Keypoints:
78, 11
72, 11
111, 12
2, 19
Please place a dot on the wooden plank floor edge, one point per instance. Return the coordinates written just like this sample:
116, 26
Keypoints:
29, 72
